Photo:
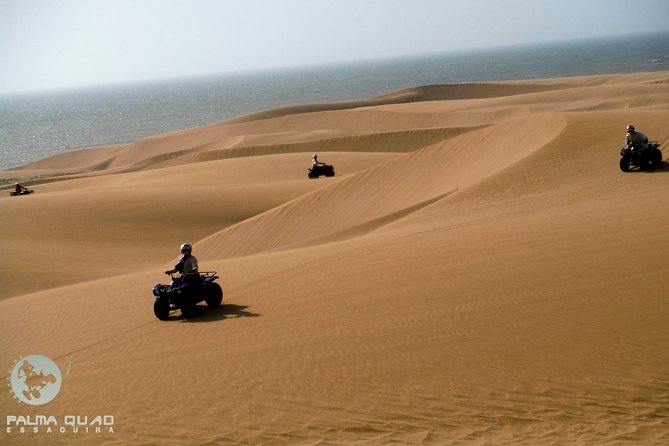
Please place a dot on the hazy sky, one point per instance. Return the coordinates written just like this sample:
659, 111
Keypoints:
62, 43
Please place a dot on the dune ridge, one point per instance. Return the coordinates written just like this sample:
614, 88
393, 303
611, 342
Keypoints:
380, 191
479, 271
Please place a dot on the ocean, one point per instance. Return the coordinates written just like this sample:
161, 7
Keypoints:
37, 125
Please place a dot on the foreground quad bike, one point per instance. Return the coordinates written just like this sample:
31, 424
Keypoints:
317, 171
185, 292
646, 158
23, 192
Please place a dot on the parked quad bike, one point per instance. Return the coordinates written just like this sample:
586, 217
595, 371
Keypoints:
317, 171
22, 192
185, 292
644, 159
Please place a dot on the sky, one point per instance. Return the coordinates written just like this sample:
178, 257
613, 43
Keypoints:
47, 44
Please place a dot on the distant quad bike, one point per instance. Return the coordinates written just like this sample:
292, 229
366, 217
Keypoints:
317, 171
185, 292
22, 192
644, 159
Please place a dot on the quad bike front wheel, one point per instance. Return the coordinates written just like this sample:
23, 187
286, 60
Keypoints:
625, 164
161, 308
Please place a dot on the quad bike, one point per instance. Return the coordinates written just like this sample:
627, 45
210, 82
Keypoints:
23, 191
185, 292
317, 171
644, 158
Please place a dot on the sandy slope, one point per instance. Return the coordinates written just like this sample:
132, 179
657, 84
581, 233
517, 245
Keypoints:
478, 272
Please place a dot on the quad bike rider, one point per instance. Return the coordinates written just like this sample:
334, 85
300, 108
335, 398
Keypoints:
187, 264
635, 139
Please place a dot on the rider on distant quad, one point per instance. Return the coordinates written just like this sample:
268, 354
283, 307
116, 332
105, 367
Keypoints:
187, 264
635, 139
314, 162
19, 189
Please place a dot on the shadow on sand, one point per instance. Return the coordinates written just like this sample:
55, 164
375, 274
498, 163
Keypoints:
224, 311
662, 167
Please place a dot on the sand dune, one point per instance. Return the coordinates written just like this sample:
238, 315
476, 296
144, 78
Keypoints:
478, 272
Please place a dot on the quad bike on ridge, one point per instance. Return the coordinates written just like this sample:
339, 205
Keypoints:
317, 171
21, 191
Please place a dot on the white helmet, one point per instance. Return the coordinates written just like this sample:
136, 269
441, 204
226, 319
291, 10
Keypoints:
186, 247
314, 156
630, 128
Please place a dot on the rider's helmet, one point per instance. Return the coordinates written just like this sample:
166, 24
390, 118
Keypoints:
630, 128
186, 247
314, 156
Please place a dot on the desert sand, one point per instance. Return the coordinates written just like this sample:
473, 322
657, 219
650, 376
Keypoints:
479, 271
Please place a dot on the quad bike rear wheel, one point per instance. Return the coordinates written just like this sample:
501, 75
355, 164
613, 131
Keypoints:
214, 295
188, 309
657, 157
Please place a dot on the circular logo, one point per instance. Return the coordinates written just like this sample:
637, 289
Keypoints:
35, 380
